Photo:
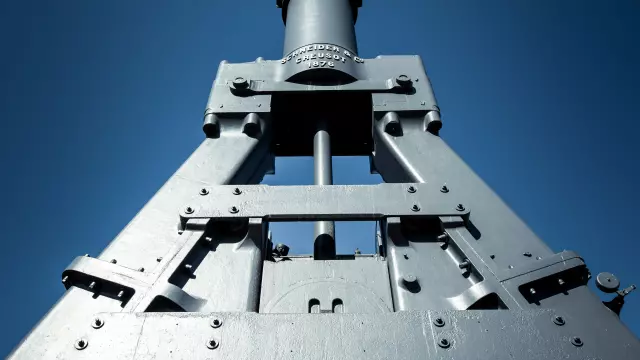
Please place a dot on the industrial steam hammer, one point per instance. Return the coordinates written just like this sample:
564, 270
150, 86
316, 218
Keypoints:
456, 274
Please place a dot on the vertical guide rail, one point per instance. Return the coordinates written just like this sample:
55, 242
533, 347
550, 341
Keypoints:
324, 246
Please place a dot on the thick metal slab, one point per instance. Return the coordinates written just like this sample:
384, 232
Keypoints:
402, 335
327, 202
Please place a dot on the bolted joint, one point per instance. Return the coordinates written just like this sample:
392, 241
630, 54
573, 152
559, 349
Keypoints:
404, 81
391, 123
240, 83
97, 323
444, 343
410, 282
81, 344
212, 344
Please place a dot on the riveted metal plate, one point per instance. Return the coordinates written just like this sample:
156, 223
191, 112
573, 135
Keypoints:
469, 335
330, 202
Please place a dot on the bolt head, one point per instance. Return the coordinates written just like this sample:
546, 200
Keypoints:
411, 189
439, 322
240, 82
216, 323
97, 323
189, 210
409, 278
233, 210
444, 343
445, 189
81, 344
558, 320
114, 261
576, 341
237, 191
212, 344
403, 80
460, 207
141, 269
204, 192
415, 207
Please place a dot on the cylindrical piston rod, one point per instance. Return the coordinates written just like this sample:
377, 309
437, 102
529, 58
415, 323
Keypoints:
324, 246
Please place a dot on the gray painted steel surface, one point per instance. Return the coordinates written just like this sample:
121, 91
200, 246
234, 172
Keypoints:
456, 273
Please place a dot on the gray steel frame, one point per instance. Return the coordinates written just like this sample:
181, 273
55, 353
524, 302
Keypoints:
457, 274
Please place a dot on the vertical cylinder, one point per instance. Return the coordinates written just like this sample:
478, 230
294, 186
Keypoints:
324, 246
319, 22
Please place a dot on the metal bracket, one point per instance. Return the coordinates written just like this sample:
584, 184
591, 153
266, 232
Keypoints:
244, 87
323, 202
102, 277
551, 265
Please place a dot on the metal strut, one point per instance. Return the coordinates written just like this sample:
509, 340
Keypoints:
324, 247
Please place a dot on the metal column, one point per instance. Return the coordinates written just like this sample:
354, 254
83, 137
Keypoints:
324, 247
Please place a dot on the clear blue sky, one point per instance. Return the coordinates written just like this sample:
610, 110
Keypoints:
103, 100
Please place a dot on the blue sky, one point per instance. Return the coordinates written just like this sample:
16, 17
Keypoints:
101, 101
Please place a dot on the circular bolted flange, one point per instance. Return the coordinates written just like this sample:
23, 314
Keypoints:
576, 341
81, 344
439, 322
607, 282
97, 323
444, 343
216, 323
212, 344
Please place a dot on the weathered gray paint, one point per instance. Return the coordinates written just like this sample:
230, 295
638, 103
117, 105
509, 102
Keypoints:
454, 262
